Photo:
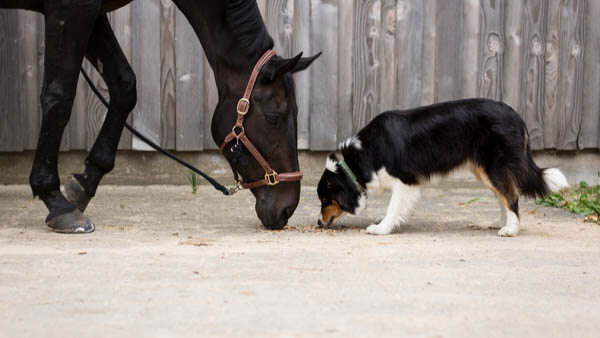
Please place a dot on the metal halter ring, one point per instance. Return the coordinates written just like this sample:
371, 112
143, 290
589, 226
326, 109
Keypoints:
243, 111
234, 130
272, 178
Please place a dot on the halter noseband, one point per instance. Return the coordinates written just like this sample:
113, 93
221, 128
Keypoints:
238, 133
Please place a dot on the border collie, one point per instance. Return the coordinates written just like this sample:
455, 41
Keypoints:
401, 150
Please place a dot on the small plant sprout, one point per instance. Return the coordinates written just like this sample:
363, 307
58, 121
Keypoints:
194, 181
469, 202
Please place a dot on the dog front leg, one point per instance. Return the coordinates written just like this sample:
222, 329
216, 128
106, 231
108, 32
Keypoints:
404, 197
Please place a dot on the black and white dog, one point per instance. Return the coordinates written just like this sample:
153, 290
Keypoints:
401, 150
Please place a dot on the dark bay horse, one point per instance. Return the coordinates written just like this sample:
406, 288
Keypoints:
233, 36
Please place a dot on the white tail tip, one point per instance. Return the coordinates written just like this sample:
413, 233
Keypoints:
555, 180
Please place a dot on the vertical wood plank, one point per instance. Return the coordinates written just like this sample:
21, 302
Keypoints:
449, 27
513, 53
301, 43
324, 105
167, 74
190, 93
77, 123
532, 75
41, 47
388, 63
409, 48
472, 14
345, 70
428, 55
491, 49
146, 63
590, 128
94, 110
30, 86
262, 7
366, 82
552, 72
11, 136
280, 24
569, 117
121, 23
210, 100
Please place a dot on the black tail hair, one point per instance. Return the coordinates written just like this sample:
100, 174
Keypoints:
532, 184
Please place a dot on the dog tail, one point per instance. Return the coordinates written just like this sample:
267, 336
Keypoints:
538, 182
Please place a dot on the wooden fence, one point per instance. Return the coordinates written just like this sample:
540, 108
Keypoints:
540, 56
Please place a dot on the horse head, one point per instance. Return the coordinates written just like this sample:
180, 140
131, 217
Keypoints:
270, 126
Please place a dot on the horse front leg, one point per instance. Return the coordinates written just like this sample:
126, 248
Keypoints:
68, 27
107, 57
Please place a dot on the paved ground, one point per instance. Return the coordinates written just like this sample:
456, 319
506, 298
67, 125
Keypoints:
164, 262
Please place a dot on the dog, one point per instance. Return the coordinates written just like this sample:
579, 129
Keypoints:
401, 150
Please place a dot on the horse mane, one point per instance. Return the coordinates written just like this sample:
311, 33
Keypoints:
243, 19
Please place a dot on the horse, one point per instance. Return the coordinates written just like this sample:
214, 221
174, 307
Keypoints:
234, 38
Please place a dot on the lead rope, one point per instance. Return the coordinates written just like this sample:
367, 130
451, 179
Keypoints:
227, 191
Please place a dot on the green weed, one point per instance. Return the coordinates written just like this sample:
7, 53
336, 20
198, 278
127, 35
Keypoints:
469, 202
583, 200
194, 181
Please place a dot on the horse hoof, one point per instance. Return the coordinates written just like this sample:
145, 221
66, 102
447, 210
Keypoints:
73, 222
76, 194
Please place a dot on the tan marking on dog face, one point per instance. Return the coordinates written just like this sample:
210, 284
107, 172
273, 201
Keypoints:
331, 212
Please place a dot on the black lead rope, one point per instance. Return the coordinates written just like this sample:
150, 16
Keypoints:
156, 147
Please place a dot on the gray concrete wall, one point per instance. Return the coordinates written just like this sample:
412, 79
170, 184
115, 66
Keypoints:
148, 168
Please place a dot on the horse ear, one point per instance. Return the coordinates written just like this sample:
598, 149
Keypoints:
278, 67
305, 62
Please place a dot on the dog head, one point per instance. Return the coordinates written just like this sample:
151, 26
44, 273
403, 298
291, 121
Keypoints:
338, 192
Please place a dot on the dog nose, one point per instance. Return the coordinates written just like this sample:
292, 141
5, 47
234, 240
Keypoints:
320, 224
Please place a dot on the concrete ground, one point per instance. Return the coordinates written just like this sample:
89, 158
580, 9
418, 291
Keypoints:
164, 262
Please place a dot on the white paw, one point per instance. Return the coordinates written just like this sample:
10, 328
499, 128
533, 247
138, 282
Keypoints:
508, 231
378, 229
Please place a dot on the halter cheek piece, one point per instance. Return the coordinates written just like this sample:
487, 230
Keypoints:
239, 134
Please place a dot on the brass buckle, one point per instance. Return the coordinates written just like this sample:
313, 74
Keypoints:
245, 111
272, 178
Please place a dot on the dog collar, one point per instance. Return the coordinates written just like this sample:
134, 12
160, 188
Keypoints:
346, 168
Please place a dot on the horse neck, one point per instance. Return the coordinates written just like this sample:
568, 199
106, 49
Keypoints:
229, 63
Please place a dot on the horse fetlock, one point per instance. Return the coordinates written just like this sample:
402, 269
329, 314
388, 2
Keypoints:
42, 181
76, 193
56, 203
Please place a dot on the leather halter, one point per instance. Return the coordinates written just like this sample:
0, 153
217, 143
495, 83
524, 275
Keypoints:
238, 133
